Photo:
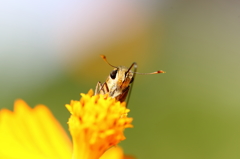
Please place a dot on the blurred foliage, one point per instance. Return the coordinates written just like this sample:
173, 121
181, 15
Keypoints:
193, 110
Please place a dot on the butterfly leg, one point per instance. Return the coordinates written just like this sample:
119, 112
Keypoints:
98, 87
104, 88
101, 88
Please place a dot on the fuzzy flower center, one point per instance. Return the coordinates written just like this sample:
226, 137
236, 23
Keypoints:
96, 124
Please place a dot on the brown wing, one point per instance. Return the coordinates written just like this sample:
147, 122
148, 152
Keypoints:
123, 96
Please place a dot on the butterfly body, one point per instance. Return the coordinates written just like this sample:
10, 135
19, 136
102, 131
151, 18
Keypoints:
117, 84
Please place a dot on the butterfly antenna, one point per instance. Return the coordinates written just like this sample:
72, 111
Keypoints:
156, 72
105, 59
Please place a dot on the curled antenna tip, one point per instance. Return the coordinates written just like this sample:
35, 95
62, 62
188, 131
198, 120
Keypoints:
105, 59
103, 56
160, 71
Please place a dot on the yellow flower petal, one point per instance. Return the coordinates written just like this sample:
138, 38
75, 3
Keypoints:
96, 124
115, 152
32, 133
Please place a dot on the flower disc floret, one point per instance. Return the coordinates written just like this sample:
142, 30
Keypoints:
96, 124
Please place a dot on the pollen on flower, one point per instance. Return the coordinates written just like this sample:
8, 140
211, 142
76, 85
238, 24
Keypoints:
96, 124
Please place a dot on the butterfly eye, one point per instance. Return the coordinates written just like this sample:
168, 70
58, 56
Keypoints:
113, 74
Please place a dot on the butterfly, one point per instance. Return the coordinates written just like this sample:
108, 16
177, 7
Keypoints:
119, 83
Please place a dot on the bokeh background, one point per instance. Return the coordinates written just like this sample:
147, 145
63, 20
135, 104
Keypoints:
49, 53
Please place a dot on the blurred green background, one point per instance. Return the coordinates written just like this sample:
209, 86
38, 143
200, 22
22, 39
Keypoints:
49, 53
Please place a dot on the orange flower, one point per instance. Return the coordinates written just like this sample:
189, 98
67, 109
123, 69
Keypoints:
35, 133
96, 124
